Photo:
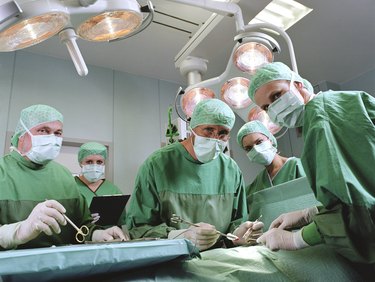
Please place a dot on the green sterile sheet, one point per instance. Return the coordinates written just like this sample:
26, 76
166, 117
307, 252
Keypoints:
82, 261
289, 196
256, 263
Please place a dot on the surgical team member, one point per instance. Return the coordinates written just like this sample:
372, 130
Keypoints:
91, 182
261, 148
338, 158
194, 180
35, 191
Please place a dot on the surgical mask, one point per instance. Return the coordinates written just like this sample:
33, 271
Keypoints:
287, 110
44, 148
263, 154
93, 172
207, 149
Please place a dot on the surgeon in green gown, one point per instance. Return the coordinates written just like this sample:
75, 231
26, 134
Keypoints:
36, 192
195, 180
261, 148
338, 158
91, 182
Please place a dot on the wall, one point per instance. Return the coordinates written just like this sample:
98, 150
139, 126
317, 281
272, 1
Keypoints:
364, 82
108, 106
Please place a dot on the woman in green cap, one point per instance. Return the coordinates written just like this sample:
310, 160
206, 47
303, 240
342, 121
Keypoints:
338, 158
193, 179
91, 182
261, 148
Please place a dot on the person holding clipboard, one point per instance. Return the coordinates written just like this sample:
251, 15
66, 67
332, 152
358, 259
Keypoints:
106, 202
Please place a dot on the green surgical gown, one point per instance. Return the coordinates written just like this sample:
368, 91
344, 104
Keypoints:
291, 169
24, 184
170, 182
106, 188
339, 161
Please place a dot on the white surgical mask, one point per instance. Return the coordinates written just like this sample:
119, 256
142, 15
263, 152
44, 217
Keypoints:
288, 109
263, 154
44, 148
93, 172
207, 149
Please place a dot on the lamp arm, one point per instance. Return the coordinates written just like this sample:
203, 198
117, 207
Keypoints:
68, 37
9, 10
282, 33
222, 8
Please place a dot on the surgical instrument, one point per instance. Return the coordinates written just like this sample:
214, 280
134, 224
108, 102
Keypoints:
81, 232
177, 219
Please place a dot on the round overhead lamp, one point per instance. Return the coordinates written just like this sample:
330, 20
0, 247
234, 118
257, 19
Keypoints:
39, 21
257, 113
255, 49
234, 92
121, 19
192, 97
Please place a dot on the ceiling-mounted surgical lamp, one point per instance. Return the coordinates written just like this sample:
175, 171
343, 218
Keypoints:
24, 23
38, 21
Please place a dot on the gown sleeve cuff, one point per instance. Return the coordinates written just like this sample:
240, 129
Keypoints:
311, 235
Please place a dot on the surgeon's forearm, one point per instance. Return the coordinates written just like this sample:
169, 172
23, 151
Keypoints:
311, 235
8, 235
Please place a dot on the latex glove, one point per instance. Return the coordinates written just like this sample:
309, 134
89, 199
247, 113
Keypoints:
203, 236
110, 234
45, 217
95, 217
256, 231
294, 219
278, 239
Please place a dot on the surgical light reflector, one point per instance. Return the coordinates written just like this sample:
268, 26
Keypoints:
252, 55
191, 98
234, 92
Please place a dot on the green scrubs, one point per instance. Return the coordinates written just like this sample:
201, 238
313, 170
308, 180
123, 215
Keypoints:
170, 182
106, 188
292, 169
339, 161
24, 184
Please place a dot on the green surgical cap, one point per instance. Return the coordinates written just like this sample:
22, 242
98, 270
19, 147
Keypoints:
255, 127
91, 148
212, 111
33, 116
275, 71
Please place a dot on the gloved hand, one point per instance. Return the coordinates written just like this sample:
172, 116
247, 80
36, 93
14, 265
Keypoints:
109, 234
278, 239
95, 217
294, 219
255, 231
203, 236
45, 217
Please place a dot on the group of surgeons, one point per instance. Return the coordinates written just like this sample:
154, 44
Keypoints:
196, 181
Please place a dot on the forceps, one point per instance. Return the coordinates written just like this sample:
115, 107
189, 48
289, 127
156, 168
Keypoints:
81, 232
177, 219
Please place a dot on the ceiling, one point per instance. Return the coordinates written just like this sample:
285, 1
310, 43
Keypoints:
335, 42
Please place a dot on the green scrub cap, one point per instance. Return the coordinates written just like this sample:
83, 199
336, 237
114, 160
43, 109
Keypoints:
255, 126
91, 148
33, 116
212, 111
275, 71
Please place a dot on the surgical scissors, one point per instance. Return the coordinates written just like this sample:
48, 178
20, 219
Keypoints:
81, 232
177, 219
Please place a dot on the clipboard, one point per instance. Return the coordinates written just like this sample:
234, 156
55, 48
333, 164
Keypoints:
109, 207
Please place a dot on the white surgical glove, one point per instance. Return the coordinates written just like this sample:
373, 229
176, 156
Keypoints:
294, 219
278, 239
45, 217
256, 231
109, 234
95, 217
203, 237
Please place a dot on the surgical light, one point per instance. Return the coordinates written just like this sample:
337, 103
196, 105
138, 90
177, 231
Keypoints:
234, 93
39, 21
119, 20
192, 97
28, 22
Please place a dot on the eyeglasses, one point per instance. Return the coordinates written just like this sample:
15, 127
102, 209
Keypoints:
212, 133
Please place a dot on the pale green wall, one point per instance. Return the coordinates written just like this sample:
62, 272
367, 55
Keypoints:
119, 108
